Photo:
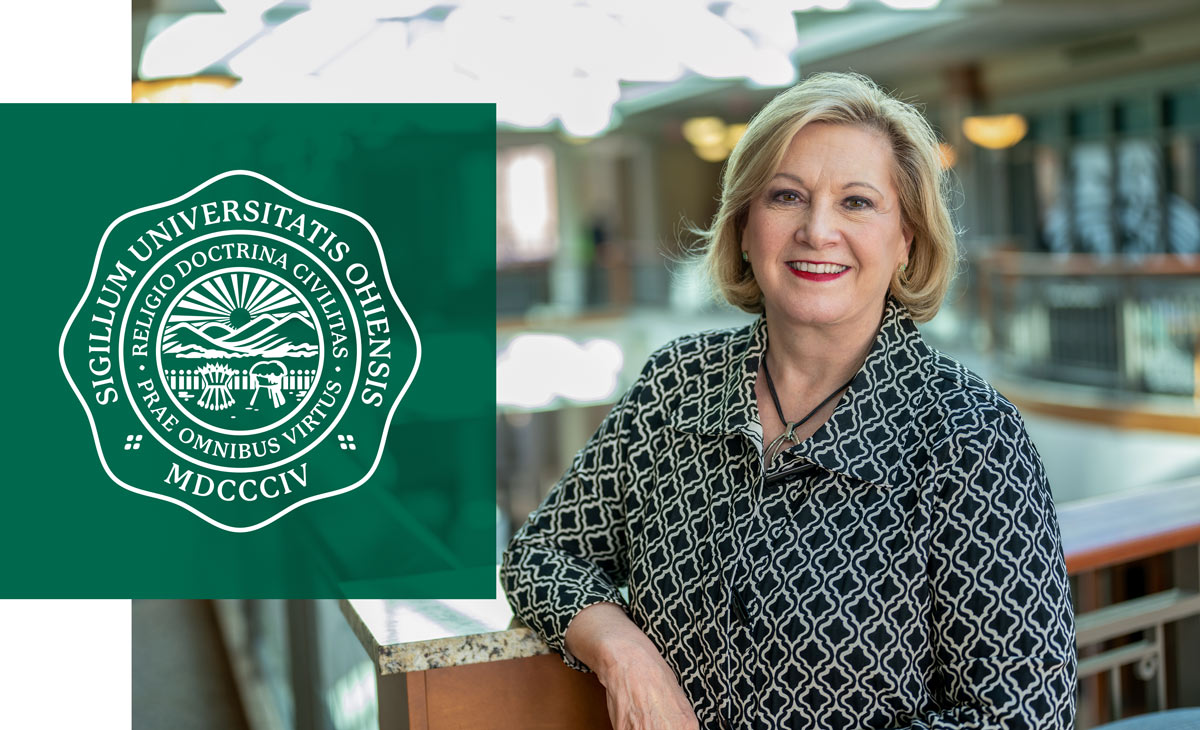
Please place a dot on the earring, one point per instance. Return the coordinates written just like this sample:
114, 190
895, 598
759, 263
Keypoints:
745, 256
903, 267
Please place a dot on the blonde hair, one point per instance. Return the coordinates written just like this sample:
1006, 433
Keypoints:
848, 99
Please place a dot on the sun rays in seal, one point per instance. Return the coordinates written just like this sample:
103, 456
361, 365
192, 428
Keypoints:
235, 299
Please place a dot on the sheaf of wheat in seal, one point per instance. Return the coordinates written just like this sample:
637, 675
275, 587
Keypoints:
240, 351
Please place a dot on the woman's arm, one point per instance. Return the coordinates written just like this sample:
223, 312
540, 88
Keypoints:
1003, 628
562, 568
571, 552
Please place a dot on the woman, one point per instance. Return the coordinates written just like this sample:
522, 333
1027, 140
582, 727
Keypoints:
822, 522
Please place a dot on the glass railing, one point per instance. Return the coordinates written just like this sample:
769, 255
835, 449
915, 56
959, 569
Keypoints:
1128, 325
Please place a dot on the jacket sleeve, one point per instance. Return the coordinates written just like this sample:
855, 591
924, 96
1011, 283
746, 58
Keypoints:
1002, 624
572, 551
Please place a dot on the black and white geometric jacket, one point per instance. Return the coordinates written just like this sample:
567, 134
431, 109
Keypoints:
901, 568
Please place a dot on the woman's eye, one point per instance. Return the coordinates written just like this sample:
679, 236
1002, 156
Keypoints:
857, 203
787, 196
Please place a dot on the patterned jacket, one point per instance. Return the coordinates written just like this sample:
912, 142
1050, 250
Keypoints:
901, 568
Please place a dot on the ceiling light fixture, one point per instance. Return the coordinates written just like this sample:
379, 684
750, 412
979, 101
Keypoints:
996, 132
704, 131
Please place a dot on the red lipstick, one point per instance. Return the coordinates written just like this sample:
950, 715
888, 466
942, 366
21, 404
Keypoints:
811, 276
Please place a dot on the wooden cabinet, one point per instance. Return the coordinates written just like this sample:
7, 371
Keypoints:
531, 692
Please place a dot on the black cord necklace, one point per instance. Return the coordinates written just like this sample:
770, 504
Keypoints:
789, 429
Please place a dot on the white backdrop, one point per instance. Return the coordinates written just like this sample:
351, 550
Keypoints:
65, 664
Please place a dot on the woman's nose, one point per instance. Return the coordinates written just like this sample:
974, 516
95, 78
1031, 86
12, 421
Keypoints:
818, 226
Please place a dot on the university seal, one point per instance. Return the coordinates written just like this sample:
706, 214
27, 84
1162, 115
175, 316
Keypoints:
240, 351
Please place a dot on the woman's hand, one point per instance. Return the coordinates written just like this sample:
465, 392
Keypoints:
643, 693
641, 689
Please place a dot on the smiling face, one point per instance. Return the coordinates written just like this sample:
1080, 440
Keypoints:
825, 235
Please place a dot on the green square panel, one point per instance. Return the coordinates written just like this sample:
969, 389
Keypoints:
253, 350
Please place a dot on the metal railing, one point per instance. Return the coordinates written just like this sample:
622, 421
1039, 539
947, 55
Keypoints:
1147, 616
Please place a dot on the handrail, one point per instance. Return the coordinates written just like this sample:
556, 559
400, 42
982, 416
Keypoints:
1134, 615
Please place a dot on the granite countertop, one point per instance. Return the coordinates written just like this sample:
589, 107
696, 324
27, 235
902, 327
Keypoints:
413, 635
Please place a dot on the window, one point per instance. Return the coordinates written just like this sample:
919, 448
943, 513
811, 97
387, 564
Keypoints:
527, 207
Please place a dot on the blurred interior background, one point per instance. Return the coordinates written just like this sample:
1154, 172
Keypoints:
1072, 129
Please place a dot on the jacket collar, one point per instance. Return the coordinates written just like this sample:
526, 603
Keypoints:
874, 435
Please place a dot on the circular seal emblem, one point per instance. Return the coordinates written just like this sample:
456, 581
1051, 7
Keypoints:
240, 351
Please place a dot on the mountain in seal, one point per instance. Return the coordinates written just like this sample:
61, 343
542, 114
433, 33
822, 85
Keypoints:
267, 335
